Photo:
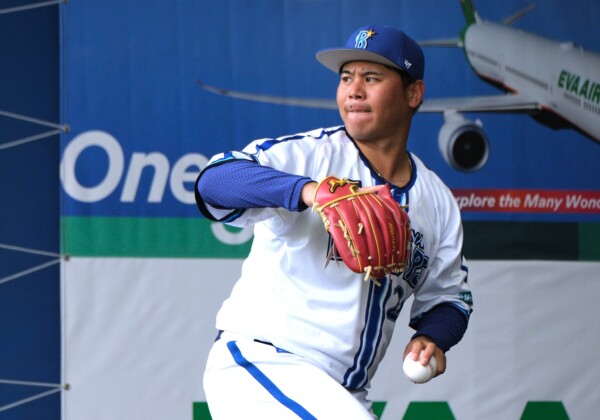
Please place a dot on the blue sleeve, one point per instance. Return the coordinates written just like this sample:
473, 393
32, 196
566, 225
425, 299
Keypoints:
445, 324
243, 184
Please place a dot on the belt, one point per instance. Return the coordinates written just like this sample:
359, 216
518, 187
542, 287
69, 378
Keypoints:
257, 341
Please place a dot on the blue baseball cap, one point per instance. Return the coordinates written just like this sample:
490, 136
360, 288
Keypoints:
379, 44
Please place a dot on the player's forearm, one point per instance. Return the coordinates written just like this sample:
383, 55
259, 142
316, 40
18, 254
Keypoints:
445, 324
245, 184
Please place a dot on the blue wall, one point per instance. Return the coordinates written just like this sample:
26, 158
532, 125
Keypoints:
29, 213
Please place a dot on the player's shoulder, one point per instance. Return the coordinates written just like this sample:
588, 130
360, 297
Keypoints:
303, 141
317, 134
430, 179
433, 193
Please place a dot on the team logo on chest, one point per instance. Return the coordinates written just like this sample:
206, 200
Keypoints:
418, 262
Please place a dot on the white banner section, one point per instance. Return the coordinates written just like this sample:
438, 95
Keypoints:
136, 334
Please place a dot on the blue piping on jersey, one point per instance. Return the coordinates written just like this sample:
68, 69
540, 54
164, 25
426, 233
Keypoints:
266, 145
400, 194
464, 268
356, 377
233, 155
380, 180
233, 216
466, 313
262, 379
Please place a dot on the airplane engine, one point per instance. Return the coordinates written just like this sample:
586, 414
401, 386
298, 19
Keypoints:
463, 142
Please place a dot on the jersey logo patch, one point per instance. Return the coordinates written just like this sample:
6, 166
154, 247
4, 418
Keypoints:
416, 264
418, 261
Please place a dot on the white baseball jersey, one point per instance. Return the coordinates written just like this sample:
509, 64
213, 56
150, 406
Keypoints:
330, 315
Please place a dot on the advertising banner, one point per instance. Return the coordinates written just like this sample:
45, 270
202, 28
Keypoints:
138, 332
152, 90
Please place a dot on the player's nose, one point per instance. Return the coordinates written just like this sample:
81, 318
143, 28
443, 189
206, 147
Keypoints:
356, 90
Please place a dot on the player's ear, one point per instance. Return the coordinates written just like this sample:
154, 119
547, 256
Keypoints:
414, 93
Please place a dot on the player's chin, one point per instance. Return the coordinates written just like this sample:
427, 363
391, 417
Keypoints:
359, 133
359, 126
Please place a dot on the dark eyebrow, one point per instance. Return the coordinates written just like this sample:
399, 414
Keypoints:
363, 73
371, 73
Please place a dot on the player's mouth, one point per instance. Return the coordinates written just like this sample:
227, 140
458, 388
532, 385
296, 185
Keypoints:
357, 109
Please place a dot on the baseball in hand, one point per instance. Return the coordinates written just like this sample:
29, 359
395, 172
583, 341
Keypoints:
418, 373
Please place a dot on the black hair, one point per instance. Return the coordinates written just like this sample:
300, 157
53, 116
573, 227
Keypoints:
407, 80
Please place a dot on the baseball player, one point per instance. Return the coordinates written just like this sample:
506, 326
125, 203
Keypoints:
297, 339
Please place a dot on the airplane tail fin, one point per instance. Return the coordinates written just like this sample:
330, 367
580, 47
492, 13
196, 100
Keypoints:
469, 12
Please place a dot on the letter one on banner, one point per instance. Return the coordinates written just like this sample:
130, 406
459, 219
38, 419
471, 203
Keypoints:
113, 175
138, 162
184, 171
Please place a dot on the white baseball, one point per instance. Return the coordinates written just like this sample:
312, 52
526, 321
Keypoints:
418, 373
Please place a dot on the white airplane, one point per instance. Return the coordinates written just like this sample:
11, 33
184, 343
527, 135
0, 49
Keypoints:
557, 83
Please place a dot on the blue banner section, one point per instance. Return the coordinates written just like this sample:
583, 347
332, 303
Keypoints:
142, 126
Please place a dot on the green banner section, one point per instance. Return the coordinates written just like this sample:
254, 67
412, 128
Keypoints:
532, 241
200, 411
147, 237
201, 238
438, 410
545, 410
589, 241
378, 408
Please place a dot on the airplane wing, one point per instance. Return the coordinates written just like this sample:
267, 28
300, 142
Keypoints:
279, 100
445, 42
492, 103
495, 103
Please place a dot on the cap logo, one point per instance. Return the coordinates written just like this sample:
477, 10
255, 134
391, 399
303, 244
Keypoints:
407, 64
363, 37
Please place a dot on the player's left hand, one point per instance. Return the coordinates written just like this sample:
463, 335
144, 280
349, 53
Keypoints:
309, 189
370, 231
426, 344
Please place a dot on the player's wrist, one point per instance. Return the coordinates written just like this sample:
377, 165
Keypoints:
308, 193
